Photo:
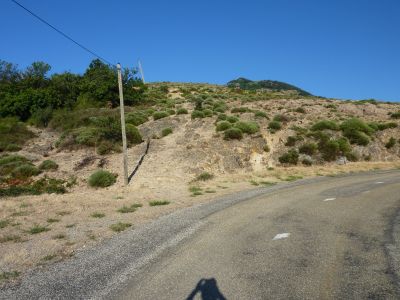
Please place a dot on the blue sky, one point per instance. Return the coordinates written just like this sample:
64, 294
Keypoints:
342, 49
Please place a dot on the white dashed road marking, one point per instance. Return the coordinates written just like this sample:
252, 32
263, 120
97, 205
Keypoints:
379, 182
280, 236
329, 199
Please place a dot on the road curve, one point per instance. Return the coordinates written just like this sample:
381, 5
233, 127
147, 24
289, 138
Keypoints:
323, 238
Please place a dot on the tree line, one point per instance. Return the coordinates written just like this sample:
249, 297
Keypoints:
32, 93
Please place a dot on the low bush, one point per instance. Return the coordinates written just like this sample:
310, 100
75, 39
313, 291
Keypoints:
133, 135
260, 114
129, 209
395, 115
160, 114
120, 226
182, 111
390, 143
48, 165
357, 137
232, 119
158, 202
171, 112
300, 110
308, 148
247, 127
204, 176
198, 114
107, 147
208, 112
224, 125
325, 124
307, 162
291, 157
136, 118
266, 148
281, 118
329, 150
221, 117
166, 131
233, 134
13, 134
25, 171
344, 145
43, 185
101, 178
355, 124
291, 141
274, 126
240, 110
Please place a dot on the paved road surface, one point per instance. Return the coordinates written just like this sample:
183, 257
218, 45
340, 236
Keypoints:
325, 238
329, 244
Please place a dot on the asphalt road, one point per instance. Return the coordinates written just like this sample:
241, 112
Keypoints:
324, 238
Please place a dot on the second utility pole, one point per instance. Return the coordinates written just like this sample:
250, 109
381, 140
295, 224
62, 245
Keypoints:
122, 109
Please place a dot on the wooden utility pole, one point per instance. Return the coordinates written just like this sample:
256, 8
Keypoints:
122, 109
141, 71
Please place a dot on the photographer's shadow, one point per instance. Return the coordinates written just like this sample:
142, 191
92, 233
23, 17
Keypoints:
208, 290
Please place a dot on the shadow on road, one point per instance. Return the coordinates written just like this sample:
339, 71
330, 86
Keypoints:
208, 290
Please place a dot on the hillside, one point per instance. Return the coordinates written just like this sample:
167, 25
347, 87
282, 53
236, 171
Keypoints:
205, 141
271, 85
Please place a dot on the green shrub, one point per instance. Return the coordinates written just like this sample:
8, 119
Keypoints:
357, 137
291, 157
224, 125
86, 136
390, 143
43, 185
120, 226
106, 147
41, 117
198, 114
240, 110
233, 134
281, 118
38, 229
344, 145
247, 127
158, 202
308, 148
307, 162
102, 178
166, 131
355, 124
208, 113
204, 176
182, 111
274, 126
133, 135
232, 119
395, 115
300, 110
136, 118
129, 209
13, 134
351, 156
291, 141
48, 165
221, 117
260, 114
325, 124
160, 114
171, 112
330, 150
11, 148
266, 148
25, 171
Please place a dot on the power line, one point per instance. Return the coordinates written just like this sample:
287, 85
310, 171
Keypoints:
62, 33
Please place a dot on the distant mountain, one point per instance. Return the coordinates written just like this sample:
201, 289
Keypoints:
273, 85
